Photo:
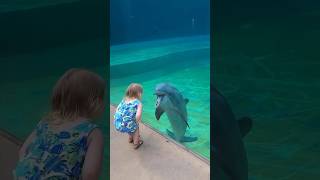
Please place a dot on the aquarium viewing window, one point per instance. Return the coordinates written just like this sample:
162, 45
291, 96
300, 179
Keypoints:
155, 42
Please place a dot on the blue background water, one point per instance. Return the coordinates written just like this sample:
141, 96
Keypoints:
139, 20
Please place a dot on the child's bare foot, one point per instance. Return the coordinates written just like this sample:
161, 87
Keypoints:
136, 146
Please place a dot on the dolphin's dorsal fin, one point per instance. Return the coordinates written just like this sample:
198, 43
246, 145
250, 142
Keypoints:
186, 100
245, 125
187, 124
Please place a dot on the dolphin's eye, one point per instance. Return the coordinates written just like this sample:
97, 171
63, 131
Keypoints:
161, 95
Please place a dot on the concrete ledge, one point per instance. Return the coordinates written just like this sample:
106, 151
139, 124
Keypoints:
177, 144
8, 154
157, 159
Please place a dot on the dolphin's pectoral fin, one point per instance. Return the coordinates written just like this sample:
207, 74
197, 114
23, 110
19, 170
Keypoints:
182, 117
187, 124
171, 134
245, 125
186, 100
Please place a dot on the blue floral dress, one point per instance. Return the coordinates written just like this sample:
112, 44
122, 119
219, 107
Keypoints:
125, 116
55, 155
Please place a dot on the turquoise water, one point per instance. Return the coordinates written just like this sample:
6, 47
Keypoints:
183, 62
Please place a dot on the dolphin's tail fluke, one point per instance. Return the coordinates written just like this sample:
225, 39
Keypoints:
189, 139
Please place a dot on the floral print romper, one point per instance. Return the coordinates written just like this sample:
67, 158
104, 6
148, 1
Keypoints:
55, 155
125, 116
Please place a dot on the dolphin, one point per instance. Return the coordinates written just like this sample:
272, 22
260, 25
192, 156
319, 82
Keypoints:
228, 151
171, 101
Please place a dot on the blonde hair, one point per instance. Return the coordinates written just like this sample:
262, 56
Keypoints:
133, 91
78, 93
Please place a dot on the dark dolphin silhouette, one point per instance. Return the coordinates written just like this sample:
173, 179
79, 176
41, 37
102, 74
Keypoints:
228, 151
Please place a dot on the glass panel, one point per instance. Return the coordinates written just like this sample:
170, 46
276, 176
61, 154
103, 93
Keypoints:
164, 41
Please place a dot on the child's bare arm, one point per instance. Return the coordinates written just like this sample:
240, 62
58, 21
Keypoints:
139, 113
26, 143
93, 160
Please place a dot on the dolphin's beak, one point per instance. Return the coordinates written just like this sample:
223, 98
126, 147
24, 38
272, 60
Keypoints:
159, 112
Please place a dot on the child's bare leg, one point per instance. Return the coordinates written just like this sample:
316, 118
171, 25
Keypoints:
137, 142
130, 138
136, 136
